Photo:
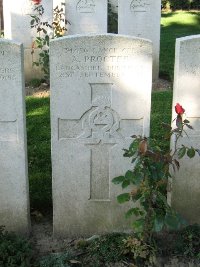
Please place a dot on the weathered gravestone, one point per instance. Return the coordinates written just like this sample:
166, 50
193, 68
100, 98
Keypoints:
17, 27
14, 199
141, 18
86, 16
100, 96
186, 183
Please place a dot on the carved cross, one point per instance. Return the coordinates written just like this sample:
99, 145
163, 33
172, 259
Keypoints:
99, 129
86, 6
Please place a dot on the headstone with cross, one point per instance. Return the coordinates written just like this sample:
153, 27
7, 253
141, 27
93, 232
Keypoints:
185, 193
99, 98
142, 20
14, 196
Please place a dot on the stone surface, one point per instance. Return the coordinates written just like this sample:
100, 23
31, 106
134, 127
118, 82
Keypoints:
86, 16
141, 18
186, 185
100, 96
17, 27
14, 196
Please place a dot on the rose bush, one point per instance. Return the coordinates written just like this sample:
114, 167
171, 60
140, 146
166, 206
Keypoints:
45, 32
149, 180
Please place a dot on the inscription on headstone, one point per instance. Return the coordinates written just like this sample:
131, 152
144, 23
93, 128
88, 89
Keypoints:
186, 186
97, 94
86, 6
139, 5
14, 196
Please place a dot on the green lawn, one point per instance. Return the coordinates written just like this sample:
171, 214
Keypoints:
175, 25
39, 151
39, 147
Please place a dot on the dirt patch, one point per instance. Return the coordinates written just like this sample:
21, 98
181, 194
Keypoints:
44, 91
162, 85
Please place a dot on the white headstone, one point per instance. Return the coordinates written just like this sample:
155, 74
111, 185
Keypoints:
186, 184
86, 16
14, 196
141, 18
100, 96
17, 27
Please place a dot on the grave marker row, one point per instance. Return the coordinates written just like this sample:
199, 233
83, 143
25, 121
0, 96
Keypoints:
140, 18
100, 96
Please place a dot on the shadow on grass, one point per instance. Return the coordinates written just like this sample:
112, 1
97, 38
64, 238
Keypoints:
177, 25
39, 152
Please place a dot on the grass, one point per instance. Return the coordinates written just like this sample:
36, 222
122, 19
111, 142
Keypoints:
175, 25
39, 152
161, 111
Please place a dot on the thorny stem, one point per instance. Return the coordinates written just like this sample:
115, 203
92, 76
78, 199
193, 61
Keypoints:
177, 136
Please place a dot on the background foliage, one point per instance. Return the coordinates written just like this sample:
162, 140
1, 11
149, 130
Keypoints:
181, 4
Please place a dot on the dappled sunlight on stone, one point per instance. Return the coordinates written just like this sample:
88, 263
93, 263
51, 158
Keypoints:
100, 96
186, 185
140, 22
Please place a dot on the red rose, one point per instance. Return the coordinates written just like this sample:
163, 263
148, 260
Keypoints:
36, 2
179, 109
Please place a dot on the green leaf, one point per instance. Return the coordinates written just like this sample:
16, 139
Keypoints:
172, 221
189, 126
138, 225
135, 212
158, 223
191, 152
186, 121
137, 179
181, 152
32, 21
134, 145
44, 31
129, 175
118, 180
125, 183
133, 160
123, 198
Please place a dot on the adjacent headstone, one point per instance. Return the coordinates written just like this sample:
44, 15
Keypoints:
186, 184
86, 16
17, 27
100, 96
141, 18
14, 196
